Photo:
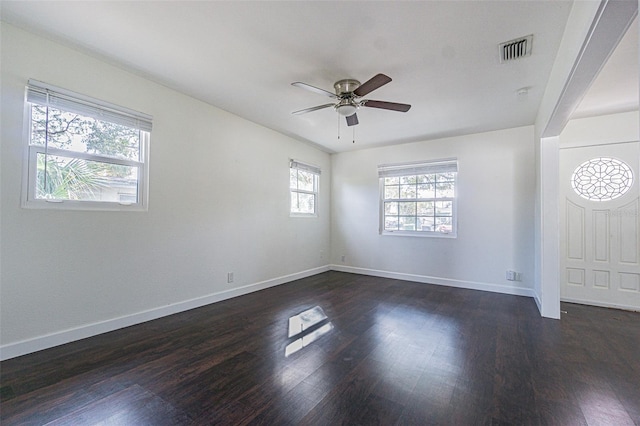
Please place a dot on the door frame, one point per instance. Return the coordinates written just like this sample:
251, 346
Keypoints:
605, 22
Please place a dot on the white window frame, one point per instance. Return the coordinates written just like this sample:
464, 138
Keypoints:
65, 100
315, 170
448, 165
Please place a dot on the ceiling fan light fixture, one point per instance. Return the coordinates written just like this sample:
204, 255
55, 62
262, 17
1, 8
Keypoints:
346, 109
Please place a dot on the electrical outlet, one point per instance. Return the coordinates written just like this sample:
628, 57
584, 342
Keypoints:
513, 276
230, 277
342, 259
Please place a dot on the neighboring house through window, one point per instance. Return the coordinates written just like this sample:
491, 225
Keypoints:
418, 198
303, 184
84, 153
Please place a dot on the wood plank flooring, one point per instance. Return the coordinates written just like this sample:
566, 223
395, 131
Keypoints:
395, 353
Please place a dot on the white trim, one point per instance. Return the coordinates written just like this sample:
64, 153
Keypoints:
39, 149
549, 180
601, 304
536, 297
472, 285
39, 343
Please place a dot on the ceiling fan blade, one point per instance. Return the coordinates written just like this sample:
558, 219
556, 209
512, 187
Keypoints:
372, 84
386, 105
315, 108
352, 120
314, 89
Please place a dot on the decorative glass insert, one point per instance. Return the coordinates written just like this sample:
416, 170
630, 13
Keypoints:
602, 179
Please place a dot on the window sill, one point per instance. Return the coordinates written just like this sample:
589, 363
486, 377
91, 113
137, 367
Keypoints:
83, 205
303, 215
418, 234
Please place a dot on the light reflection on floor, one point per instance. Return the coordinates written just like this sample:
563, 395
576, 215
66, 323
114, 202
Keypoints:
309, 326
601, 406
412, 339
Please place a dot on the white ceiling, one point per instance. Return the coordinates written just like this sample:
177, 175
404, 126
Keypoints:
243, 57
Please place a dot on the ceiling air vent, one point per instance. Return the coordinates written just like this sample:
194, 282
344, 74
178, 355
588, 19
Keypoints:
515, 49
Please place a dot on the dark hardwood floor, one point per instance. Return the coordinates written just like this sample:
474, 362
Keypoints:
388, 352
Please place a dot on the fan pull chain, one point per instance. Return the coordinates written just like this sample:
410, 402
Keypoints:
338, 126
354, 134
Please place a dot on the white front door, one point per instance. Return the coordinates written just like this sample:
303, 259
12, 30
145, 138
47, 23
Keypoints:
600, 225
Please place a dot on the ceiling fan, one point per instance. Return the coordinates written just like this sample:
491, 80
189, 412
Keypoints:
348, 94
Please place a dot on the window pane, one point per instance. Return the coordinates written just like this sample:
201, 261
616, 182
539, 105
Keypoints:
408, 223
444, 190
426, 191
425, 208
78, 133
294, 202
407, 191
407, 209
38, 125
302, 203
67, 178
391, 208
392, 192
305, 180
449, 176
405, 180
444, 208
425, 223
444, 225
391, 180
391, 223
293, 178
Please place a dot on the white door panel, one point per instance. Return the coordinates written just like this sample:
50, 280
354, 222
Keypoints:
600, 239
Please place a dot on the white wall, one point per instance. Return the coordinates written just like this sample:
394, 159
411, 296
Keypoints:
604, 129
495, 214
218, 202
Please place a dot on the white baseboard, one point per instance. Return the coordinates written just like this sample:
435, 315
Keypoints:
473, 285
39, 343
602, 304
536, 297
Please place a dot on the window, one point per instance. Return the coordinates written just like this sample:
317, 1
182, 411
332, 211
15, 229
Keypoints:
84, 153
602, 179
303, 183
418, 198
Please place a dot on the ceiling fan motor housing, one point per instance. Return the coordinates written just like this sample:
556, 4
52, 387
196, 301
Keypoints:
347, 86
